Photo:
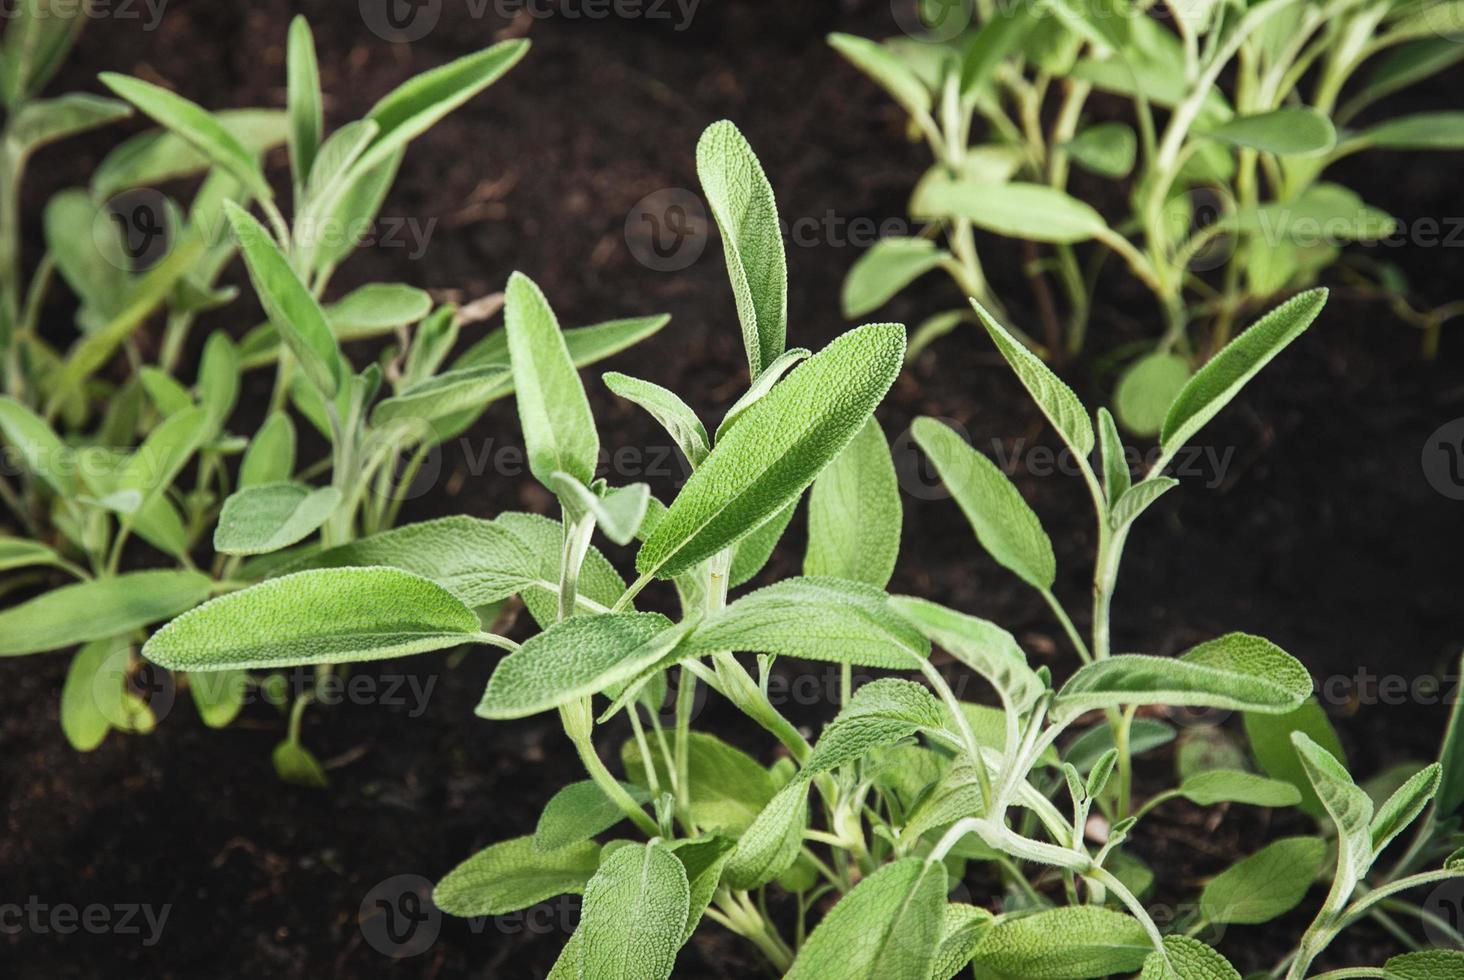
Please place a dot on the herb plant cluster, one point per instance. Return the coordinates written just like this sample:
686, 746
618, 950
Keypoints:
114, 526
1233, 114
840, 859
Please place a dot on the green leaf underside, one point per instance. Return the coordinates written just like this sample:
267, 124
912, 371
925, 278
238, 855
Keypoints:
512, 875
1004, 524
1265, 885
815, 619
1236, 671
777, 448
334, 615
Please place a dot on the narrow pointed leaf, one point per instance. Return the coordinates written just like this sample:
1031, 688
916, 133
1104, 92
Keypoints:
747, 215
1349, 807
1270, 741
1265, 885
983, 646
1215, 384
889, 266
270, 457
667, 408
1138, 499
307, 120
1286, 131
258, 520
1006, 527
1214, 786
1056, 399
1402, 808
777, 449
771, 843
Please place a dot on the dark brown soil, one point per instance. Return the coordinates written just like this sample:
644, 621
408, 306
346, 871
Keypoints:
1323, 533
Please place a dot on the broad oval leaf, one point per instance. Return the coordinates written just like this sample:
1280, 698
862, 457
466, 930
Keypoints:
98, 609
1236, 671
854, 513
1420, 131
728, 787
1185, 958
1215, 384
443, 396
961, 930
779, 445
1072, 942
1146, 390
1270, 741
261, 519
575, 658
270, 457
887, 928
1427, 964
1237, 786
1265, 885
1018, 210
92, 701
578, 812
334, 615
1288, 131
889, 266
881, 713
747, 215
815, 619
513, 875
635, 913
1006, 527
885, 67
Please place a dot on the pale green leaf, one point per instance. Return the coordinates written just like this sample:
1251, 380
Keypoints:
1072, 942
889, 266
418, 104
1185, 958
91, 697
1004, 524
1116, 475
39, 446
307, 120
1289, 130
559, 430
43, 121
1265, 885
854, 513
1146, 390
580, 656
290, 306
747, 215
219, 696
881, 713
479, 561
887, 928
98, 609
778, 447
160, 155
619, 513
334, 615
753, 552
1270, 740
1107, 149
297, 765
635, 913
542, 537
512, 875
667, 408
578, 812
1215, 384
1349, 807
728, 788
260, 519
22, 552
1234, 786
1138, 499
1420, 131
1018, 210
1402, 808
885, 67
1236, 671
270, 457
194, 124
770, 845
815, 619
771, 374
1056, 399
440, 398
983, 646
961, 930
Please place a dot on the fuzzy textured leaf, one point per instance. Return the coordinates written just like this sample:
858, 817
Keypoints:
98, 609
854, 513
513, 875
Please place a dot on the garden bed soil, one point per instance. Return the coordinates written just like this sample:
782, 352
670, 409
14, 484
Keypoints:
1317, 527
